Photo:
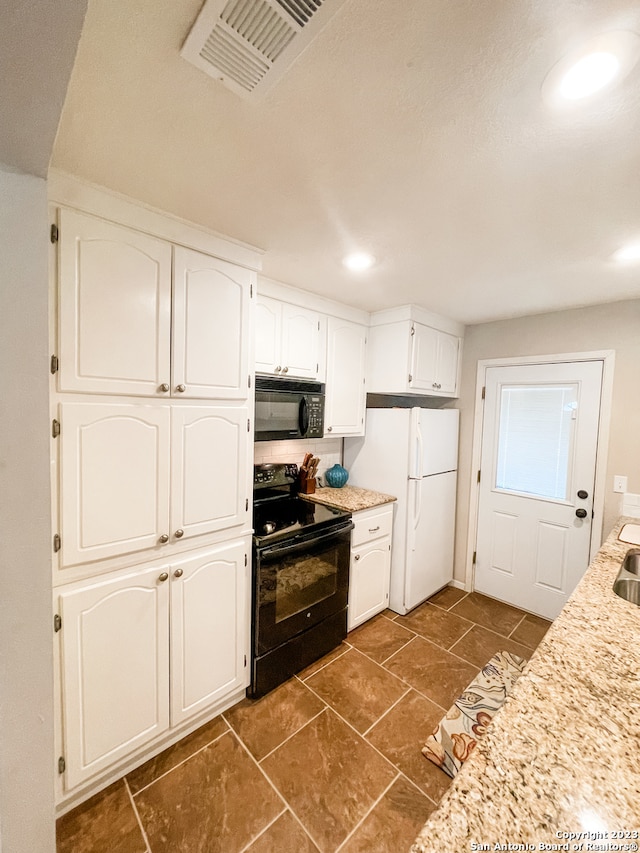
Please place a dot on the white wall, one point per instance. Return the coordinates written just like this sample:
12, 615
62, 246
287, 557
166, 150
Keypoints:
615, 326
26, 634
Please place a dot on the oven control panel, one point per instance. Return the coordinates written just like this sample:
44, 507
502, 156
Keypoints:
279, 474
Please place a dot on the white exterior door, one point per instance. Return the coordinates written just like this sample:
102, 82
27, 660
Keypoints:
115, 308
346, 353
115, 670
300, 340
209, 624
114, 479
539, 446
209, 469
210, 319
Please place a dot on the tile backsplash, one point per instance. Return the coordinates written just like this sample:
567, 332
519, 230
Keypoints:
631, 505
328, 450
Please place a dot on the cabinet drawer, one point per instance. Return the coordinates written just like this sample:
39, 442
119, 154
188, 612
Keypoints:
371, 524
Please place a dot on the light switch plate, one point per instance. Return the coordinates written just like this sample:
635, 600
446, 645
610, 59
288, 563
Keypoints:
619, 483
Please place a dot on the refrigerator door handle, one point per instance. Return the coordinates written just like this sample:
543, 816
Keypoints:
419, 454
417, 503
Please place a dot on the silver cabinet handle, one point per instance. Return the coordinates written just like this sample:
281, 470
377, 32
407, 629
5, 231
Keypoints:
164, 387
434, 385
277, 369
181, 388
373, 529
329, 429
164, 538
356, 556
163, 577
178, 573
179, 533
285, 369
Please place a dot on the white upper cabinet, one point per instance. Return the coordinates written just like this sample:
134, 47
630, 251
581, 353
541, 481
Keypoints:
407, 356
209, 625
287, 339
210, 319
114, 665
434, 366
122, 332
115, 308
209, 469
345, 391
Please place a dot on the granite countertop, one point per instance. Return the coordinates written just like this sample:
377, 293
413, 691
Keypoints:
563, 754
350, 498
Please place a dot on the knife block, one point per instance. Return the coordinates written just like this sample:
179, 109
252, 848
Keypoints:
306, 485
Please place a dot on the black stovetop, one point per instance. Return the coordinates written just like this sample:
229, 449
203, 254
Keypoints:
278, 512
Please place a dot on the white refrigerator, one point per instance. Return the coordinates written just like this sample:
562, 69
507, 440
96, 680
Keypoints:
413, 455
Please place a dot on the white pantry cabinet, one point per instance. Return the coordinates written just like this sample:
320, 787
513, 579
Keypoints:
345, 390
370, 570
141, 653
134, 476
287, 339
434, 360
125, 330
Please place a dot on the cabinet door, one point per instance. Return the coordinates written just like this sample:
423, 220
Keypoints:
424, 358
448, 353
345, 400
369, 581
268, 335
209, 614
209, 488
114, 479
115, 670
300, 341
210, 327
115, 308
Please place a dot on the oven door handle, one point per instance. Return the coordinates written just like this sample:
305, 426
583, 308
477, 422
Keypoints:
305, 541
303, 416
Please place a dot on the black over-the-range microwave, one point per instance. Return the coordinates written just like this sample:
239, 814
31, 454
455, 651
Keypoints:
288, 408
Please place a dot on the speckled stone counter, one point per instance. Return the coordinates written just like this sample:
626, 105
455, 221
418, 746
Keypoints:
350, 498
563, 754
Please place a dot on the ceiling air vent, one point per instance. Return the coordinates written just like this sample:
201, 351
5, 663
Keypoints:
249, 44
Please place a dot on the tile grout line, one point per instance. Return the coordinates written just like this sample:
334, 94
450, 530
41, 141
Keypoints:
262, 831
365, 816
293, 734
455, 642
180, 763
268, 778
516, 628
304, 680
418, 788
137, 814
390, 708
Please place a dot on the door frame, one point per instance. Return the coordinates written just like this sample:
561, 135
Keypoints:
607, 357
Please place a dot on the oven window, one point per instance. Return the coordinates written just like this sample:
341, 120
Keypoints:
277, 413
303, 581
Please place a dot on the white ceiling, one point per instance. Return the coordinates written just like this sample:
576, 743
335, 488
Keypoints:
411, 128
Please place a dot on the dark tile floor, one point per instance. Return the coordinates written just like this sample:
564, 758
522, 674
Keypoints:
329, 761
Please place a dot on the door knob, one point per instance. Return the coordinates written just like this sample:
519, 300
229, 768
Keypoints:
179, 533
163, 577
178, 573
285, 369
181, 388
277, 369
581, 513
583, 495
164, 538
164, 387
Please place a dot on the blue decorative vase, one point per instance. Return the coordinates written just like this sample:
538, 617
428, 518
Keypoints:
336, 476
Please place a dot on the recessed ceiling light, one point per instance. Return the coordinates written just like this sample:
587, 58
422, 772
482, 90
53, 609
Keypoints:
628, 254
596, 67
358, 261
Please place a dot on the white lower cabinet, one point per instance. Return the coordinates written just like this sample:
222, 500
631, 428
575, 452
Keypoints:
370, 570
146, 650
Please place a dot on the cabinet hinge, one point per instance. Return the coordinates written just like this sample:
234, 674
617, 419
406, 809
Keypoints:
478, 476
57, 543
55, 428
474, 557
413, 330
246, 559
54, 234
483, 391
248, 425
245, 660
251, 291
410, 378
246, 509
57, 623
317, 367
249, 381
54, 364
318, 325
62, 765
